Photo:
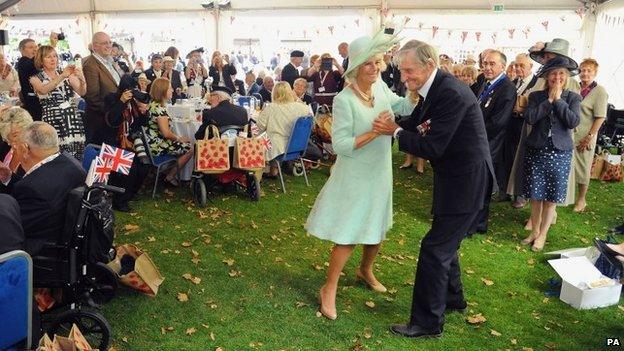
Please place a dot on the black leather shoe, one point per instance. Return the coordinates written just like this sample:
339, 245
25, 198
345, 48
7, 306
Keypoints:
459, 307
415, 331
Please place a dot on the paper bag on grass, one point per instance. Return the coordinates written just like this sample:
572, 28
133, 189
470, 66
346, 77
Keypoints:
145, 277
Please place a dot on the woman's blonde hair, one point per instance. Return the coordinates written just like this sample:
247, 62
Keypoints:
282, 93
42, 52
351, 77
14, 115
471, 71
159, 89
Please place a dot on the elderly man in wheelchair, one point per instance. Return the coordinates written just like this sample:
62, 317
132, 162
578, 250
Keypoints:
68, 231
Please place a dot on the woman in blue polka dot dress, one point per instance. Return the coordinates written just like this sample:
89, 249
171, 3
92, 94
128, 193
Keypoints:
552, 114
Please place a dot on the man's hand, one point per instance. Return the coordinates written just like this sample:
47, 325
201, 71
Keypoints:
126, 96
584, 144
384, 124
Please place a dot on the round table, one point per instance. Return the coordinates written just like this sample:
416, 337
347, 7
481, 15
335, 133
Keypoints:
186, 128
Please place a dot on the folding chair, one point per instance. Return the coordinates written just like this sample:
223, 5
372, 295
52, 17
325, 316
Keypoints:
296, 147
617, 116
159, 162
16, 271
91, 151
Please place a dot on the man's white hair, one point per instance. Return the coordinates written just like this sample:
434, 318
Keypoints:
42, 136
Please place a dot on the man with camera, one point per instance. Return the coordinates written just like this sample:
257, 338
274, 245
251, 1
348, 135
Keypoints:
102, 79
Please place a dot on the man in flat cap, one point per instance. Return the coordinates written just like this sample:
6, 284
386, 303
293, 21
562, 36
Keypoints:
222, 112
290, 73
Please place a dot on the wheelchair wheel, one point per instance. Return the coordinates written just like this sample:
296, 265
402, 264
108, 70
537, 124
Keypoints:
253, 187
298, 169
315, 164
200, 193
93, 326
102, 283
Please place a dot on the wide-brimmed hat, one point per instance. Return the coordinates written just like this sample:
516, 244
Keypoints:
363, 48
200, 50
557, 46
558, 62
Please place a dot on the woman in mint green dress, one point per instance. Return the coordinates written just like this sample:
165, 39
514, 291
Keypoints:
355, 205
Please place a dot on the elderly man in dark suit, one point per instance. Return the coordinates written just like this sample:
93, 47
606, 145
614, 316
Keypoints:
452, 137
42, 192
102, 74
12, 236
497, 98
290, 72
222, 113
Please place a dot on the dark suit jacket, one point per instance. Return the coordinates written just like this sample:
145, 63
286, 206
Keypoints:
266, 95
560, 117
176, 82
497, 109
224, 114
228, 72
100, 83
12, 235
345, 63
240, 87
456, 145
290, 74
42, 197
149, 74
25, 69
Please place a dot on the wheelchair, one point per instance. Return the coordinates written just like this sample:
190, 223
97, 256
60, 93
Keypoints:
75, 264
202, 183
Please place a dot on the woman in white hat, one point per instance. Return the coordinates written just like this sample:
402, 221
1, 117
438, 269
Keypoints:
355, 205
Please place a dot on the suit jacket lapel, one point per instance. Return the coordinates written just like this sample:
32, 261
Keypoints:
106, 71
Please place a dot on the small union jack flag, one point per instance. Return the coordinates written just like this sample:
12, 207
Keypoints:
121, 159
266, 141
102, 170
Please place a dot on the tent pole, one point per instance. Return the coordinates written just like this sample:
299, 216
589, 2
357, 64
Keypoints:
217, 14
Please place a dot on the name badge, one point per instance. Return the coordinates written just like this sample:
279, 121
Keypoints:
321, 89
65, 104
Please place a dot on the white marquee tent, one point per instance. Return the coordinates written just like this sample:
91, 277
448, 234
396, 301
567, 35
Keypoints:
457, 27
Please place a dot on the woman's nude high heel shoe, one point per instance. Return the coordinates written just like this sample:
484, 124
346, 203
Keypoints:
378, 287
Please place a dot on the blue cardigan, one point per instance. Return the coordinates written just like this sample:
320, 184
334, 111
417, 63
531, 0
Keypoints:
558, 117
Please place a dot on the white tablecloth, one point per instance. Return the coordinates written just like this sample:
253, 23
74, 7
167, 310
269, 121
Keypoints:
181, 111
186, 128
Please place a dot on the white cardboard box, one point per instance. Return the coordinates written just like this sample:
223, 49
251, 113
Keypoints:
577, 270
590, 252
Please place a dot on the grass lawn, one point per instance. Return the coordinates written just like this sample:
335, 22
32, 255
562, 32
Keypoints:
260, 274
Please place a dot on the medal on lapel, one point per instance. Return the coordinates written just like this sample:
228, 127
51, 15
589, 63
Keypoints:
487, 103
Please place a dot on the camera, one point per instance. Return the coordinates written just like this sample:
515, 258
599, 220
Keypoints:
65, 56
389, 31
326, 64
140, 96
61, 36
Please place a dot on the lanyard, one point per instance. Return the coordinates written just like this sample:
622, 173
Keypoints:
487, 92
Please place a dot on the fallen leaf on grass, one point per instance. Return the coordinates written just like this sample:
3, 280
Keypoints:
300, 304
228, 261
469, 271
514, 342
487, 282
212, 336
527, 349
254, 225
370, 304
151, 239
164, 330
476, 319
190, 331
545, 300
368, 334
233, 273
584, 241
131, 228
621, 307
531, 262
551, 346
186, 244
219, 349
495, 333
182, 297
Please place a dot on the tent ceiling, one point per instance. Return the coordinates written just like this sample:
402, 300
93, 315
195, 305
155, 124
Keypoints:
33, 7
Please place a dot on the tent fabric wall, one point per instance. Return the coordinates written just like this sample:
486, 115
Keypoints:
608, 50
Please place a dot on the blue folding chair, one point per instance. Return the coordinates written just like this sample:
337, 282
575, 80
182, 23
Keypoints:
244, 99
296, 147
91, 151
15, 300
160, 162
